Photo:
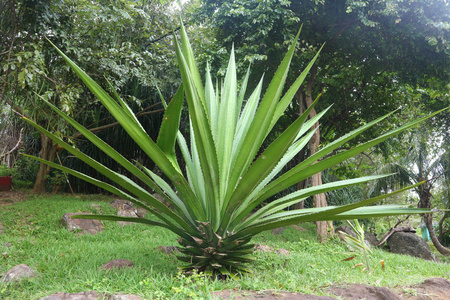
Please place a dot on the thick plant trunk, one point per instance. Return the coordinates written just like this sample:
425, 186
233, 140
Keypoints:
324, 229
428, 219
48, 152
442, 232
301, 156
300, 186
425, 202
316, 180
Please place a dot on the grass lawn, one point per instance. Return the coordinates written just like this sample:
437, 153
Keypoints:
68, 262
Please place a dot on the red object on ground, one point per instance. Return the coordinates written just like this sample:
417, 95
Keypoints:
5, 183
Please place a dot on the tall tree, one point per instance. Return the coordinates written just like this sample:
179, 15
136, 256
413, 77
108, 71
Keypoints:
372, 49
117, 38
424, 163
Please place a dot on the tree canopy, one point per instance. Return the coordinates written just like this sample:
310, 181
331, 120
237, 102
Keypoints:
117, 42
376, 55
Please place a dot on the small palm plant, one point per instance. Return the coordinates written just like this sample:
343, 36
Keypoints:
212, 203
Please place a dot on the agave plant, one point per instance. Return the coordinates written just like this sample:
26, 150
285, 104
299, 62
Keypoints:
213, 204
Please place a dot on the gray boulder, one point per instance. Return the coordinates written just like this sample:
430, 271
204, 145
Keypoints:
168, 249
278, 231
18, 273
117, 264
355, 291
126, 209
85, 226
409, 243
96, 208
127, 212
118, 203
370, 238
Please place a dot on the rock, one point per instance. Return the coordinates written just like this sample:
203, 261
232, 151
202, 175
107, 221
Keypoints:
408, 243
126, 209
18, 273
141, 212
117, 263
161, 199
282, 251
278, 231
117, 203
263, 248
96, 208
168, 249
85, 225
129, 213
362, 291
299, 228
91, 295
347, 229
388, 234
370, 238
434, 288
265, 295
124, 297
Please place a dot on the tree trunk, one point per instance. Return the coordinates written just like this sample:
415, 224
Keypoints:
442, 232
301, 155
428, 219
316, 180
300, 186
425, 202
48, 152
320, 200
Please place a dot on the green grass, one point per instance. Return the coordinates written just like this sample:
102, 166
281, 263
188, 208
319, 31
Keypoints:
68, 262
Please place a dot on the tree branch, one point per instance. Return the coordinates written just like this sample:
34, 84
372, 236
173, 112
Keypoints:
19, 143
162, 37
339, 33
5, 52
103, 127
145, 109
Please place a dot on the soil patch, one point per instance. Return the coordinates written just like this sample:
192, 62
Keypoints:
10, 197
362, 291
430, 289
434, 288
265, 295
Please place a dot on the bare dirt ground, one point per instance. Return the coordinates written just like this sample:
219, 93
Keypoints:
9, 197
430, 289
